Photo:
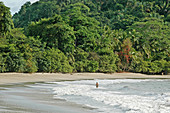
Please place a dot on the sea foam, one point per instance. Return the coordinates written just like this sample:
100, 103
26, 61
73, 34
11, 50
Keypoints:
108, 98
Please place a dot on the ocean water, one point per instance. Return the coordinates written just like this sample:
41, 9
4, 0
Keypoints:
115, 96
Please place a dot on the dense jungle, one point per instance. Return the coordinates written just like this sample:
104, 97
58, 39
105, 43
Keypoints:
86, 36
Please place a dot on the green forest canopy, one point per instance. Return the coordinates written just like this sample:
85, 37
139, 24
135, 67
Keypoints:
86, 36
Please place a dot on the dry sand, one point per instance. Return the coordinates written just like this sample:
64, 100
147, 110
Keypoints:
14, 78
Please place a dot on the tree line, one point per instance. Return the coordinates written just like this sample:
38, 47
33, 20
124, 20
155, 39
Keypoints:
86, 36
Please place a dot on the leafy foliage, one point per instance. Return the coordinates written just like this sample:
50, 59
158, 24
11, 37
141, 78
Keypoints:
6, 22
53, 60
86, 36
54, 32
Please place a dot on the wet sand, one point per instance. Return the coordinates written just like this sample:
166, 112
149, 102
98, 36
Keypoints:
24, 99
17, 97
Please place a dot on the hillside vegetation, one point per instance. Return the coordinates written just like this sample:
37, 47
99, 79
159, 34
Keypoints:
86, 36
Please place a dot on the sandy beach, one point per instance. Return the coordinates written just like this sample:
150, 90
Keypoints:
16, 95
15, 78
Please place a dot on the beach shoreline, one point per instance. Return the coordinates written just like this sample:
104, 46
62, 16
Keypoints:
17, 78
18, 95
